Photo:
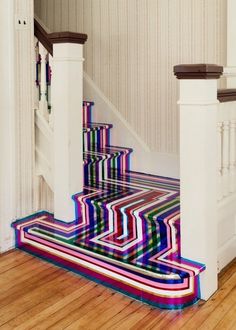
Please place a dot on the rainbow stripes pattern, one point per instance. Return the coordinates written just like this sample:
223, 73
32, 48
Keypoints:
127, 229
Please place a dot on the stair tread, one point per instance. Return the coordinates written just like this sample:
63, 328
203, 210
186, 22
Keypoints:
97, 151
96, 126
44, 225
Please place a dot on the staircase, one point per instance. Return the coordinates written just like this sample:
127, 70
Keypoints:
126, 233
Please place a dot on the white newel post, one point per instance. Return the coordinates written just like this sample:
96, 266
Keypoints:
199, 168
67, 97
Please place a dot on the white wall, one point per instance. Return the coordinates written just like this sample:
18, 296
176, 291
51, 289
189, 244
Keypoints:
17, 194
7, 135
24, 115
132, 47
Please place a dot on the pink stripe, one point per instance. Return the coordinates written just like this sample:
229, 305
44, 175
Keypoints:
109, 267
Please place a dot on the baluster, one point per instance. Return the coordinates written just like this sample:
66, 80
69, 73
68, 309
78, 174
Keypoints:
225, 163
51, 112
43, 104
232, 155
36, 78
219, 133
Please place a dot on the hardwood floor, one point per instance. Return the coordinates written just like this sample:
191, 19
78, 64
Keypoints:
37, 295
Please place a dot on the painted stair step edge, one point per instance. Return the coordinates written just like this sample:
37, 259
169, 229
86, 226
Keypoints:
154, 293
96, 127
56, 227
99, 137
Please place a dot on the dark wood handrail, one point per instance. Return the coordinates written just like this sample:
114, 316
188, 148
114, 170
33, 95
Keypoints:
48, 39
226, 95
43, 37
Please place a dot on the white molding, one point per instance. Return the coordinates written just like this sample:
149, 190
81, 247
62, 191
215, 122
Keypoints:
43, 125
43, 167
24, 115
226, 253
44, 159
7, 125
44, 148
227, 206
17, 140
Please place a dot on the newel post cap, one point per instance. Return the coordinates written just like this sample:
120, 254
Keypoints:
198, 71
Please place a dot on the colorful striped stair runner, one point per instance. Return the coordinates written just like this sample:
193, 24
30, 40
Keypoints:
127, 229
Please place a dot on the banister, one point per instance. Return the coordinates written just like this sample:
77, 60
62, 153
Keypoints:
48, 39
205, 71
43, 36
71, 37
226, 95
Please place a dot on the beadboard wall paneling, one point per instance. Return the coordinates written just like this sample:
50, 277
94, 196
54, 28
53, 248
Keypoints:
7, 126
24, 117
132, 48
17, 194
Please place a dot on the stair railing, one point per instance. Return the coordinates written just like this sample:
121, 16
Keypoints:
207, 170
58, 115
226, 143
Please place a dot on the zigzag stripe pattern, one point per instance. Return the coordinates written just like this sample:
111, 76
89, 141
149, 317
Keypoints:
127, 229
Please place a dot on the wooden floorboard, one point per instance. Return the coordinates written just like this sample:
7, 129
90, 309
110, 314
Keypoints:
37, 295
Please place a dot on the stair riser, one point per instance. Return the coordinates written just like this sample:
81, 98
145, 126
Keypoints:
96, 140
103, 168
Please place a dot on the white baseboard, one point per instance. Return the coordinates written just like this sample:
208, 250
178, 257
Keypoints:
143, 159
226, 230
226, 253
7, 243
227, 206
